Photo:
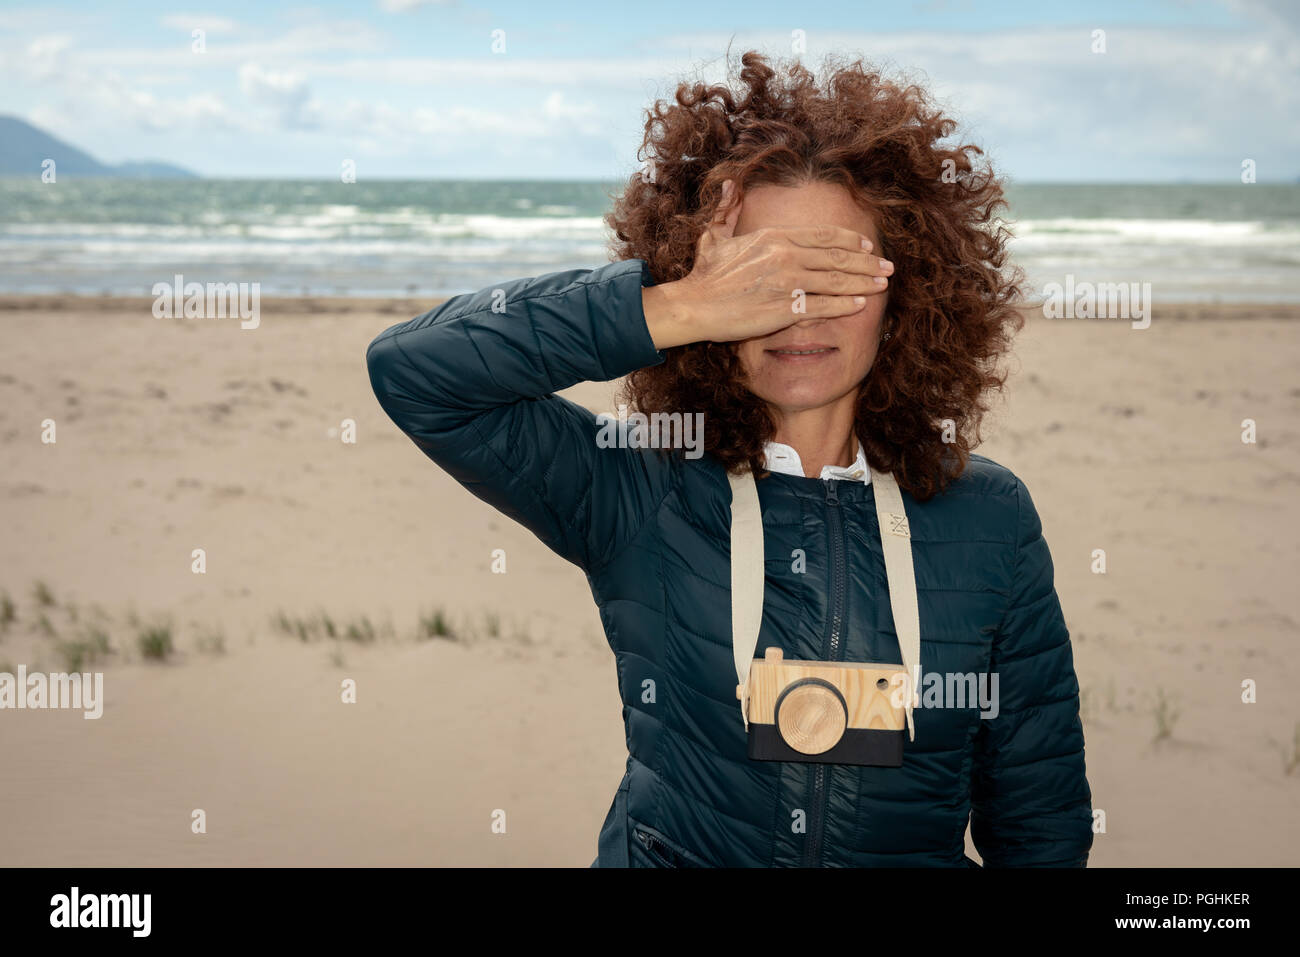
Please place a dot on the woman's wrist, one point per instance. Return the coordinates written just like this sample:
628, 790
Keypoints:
670, 316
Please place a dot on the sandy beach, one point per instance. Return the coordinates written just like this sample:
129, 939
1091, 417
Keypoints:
479, 693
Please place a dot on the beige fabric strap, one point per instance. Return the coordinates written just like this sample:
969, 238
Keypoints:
896, 543
747, 581
747, 563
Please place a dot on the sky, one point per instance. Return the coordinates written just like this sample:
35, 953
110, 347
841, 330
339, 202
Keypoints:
1185, 90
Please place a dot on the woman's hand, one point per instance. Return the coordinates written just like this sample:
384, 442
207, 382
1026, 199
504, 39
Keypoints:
749, 285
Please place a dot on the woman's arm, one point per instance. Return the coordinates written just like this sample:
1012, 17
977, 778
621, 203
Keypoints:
470, 382
1031, 805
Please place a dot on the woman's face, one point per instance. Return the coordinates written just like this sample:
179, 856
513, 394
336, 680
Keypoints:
796, 383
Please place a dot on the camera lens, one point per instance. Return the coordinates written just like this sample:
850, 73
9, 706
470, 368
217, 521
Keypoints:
811, 715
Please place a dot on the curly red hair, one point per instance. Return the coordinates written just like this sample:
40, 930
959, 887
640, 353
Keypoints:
951, 313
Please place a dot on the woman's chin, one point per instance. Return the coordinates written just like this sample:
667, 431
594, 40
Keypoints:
799, 399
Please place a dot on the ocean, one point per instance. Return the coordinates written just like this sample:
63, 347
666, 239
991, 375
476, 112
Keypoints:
1193, 243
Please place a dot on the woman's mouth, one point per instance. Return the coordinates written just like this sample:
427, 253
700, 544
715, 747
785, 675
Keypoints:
801, 354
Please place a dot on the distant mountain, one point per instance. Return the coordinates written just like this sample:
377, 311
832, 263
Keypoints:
23, 148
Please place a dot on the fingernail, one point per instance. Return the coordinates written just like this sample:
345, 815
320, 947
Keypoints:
886, 264
859, 300
880, 280
866, 244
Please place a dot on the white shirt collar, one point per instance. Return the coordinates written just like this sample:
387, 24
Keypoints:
784, 459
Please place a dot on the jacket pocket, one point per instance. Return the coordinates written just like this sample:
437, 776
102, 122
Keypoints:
663, 852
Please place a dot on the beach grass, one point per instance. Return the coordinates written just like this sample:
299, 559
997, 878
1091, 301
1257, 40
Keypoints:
211, 642
42, 595
155, 642
1165, 714
436, 624
8, 612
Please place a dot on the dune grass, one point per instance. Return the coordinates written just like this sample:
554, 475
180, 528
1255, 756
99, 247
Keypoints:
1165, 714
436, 624
1292, 761
155, 642
42, 595
80, 637
211, 642
8, 612
89, 648
321, 626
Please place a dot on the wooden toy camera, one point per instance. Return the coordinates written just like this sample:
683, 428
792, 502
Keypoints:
825, 712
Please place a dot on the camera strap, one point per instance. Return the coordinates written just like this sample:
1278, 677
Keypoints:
747, 580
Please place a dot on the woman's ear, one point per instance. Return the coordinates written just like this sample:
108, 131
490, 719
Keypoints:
728, 211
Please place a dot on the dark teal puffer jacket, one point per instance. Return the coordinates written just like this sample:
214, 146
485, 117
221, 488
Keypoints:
471, 383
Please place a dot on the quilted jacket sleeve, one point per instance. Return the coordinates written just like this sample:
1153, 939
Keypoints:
1031, 805
470, 383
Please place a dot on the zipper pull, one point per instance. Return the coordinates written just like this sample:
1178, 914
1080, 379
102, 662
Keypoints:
832, 494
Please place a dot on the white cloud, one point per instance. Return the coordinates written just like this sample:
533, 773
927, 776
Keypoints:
583, 117
302, 47
285, 94
199, 21
406, 6
429, 131
1283, 15
52, 64
128, 105
44, 57
605, 74
53, 121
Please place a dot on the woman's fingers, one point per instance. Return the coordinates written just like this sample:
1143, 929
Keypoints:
838, 259
830, 307
832, 260
835, 283
825, 237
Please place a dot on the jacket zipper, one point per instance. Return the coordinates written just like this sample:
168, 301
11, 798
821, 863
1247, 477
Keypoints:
831, 652
658, 848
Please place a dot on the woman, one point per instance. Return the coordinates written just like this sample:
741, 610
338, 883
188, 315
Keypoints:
811, 268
